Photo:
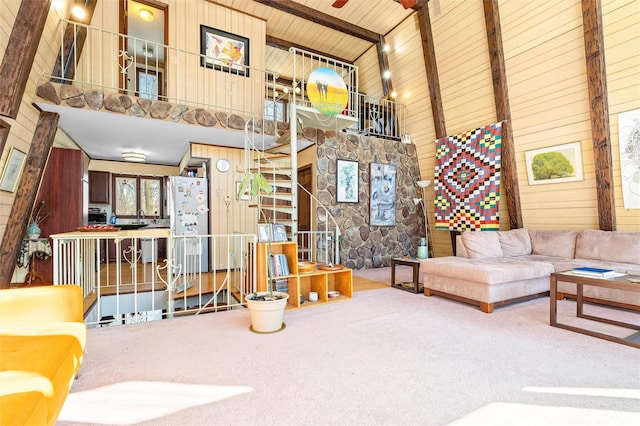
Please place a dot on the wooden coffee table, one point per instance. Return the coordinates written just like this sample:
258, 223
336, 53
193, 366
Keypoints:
620, 283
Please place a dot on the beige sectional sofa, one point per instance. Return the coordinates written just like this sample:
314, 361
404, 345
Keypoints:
496, 268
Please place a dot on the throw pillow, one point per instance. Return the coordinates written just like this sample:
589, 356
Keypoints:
553, 243
481, 245
515, 242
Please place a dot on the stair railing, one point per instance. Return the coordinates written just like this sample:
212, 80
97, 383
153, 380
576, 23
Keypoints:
322, 244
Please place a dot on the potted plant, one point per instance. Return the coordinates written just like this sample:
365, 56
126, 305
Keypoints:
266, 307
37, 216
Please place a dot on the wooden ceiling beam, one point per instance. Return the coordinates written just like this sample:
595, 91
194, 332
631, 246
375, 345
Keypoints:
383, 64
26, 194
320, 18
20, 53
279, 43
433, 81
599, 112
510, 184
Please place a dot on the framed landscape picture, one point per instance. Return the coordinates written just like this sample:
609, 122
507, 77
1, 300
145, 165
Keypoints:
555, 164
346, 181
224, 51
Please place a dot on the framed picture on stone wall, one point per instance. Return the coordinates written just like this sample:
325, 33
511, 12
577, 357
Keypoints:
382, 199
347, 181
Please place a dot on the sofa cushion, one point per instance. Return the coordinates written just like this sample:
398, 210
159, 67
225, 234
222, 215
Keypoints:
553, 243
608, 245
481, 245
22, 408
51, 357
496, 271
515, 242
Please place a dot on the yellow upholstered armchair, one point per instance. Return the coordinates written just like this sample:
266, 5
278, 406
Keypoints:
42, 341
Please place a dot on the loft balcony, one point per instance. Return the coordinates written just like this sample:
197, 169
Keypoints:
192, 88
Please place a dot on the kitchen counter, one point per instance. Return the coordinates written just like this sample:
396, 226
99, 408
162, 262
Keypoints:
146, 232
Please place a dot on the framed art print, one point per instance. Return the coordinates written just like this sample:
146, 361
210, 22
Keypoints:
264, 232
346, 181
382, 202
554, 164
224, 51
12, 170
279, 232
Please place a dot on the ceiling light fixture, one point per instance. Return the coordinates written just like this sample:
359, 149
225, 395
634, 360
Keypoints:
134, 156
386, 74
146, 15
78, 12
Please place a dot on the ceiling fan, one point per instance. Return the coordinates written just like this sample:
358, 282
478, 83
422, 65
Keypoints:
405, 3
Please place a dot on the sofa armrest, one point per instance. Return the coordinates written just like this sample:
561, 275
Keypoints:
37, 305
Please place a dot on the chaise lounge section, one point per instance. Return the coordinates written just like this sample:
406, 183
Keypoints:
496, 268
42, 341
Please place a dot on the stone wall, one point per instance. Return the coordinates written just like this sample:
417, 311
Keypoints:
97, 100
364, 246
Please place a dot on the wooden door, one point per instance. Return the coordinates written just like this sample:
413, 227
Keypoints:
304, 200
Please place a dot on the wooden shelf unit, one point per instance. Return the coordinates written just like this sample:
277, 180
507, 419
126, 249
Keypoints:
319, 281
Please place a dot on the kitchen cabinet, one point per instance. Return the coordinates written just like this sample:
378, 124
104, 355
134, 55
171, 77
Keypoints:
61, 191
99, 188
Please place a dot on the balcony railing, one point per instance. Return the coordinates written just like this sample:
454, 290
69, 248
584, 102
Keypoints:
98, 59
118, 63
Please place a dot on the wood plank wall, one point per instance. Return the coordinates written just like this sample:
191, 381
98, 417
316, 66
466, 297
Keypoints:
23, 127
546, 72
203, 84
545, 65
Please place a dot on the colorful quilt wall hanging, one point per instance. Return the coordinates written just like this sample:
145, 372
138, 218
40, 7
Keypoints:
467, 180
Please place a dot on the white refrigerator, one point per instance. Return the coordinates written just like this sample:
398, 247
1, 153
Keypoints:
188, 202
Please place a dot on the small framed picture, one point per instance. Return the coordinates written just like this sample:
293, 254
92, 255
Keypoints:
264, 232
12, 170
347, 181
279, 232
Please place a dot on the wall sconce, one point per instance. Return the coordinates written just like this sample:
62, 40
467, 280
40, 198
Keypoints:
138, 157
146, 15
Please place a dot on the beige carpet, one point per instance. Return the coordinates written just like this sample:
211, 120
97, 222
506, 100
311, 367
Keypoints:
385, 357
376, 278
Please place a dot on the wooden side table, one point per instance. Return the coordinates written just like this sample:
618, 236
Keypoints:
414, 286
39, 248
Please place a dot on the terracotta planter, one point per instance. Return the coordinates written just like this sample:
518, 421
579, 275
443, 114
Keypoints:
267, 315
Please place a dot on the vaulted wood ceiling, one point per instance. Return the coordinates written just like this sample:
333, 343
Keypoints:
343, 34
